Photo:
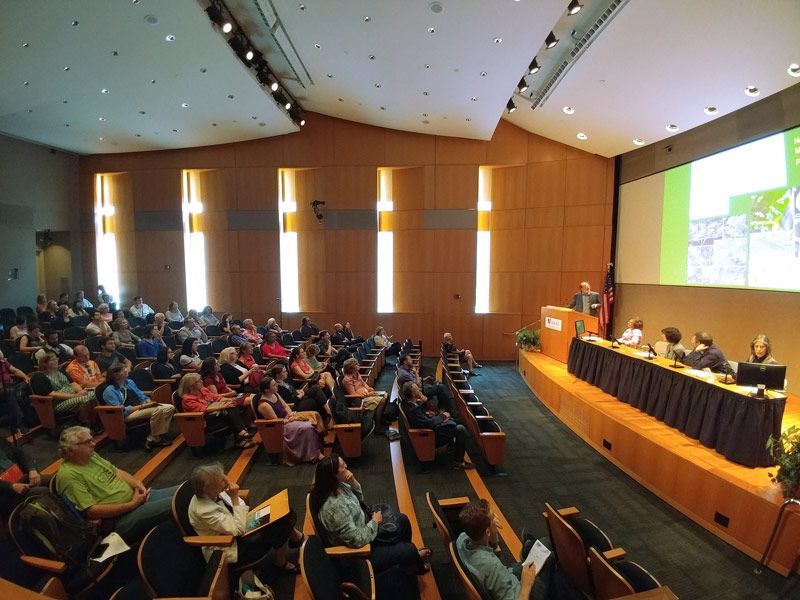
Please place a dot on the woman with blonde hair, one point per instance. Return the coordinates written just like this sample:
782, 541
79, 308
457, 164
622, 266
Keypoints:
232, 371
195, 397
354, 385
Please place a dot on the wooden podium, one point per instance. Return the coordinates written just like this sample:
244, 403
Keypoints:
558, 329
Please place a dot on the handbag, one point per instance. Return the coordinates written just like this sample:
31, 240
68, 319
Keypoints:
388, 529
251, 588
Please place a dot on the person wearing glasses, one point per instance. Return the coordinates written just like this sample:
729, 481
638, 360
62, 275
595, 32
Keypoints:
102, 491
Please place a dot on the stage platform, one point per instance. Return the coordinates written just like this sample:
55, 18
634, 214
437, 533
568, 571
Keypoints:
736, 503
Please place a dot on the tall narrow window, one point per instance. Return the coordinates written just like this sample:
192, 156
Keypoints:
287, 215
106, 242
194, 244
385, 265
484, 241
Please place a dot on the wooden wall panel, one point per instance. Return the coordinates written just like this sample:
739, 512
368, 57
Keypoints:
551, 221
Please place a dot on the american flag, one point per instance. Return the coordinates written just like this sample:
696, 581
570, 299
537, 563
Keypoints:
607, 302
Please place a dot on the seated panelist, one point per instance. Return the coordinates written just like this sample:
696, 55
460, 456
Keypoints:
672, 349
632, 336
706, 356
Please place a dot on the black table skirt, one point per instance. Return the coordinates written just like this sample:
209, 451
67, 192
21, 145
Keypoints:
735, 425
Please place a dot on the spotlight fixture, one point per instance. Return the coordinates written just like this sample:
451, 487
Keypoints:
227, 27
794, 70
265, 78
533, 67
710, 110
522, 85
751, 91
240, 45
638, 141
582, 136
672, 128
574, 7
511, 106
550, 41
568, 110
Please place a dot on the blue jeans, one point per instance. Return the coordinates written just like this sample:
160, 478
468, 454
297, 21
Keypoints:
158, 508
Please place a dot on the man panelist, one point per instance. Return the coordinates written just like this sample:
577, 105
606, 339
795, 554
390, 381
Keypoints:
585, 301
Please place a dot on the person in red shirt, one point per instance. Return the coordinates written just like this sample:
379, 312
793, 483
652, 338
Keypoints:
272, 349
213, 379
195, 397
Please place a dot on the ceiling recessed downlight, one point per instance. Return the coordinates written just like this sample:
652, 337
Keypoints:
710, 110
105, 91
436, 7
151, 19
550, 41
672, 128
170, 37
751, 91
431, 30
498, 40
227, 27
510, 106
574, 7
101, 118
582, 136
533, 67
317, 46
184, 105
568, 110
793, 70
522, 85
638, 141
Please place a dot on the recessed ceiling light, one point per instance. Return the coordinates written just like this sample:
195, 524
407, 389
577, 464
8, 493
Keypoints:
468, 119
101, 139
574, 7
793, 70
105, 91
329, 75
114, 53
425, 122
371, 56
522, 85
249, 55
426, 93
170, 37
341, 99
75, 23
752, 91
483, 73
231, 96
568, 110
66, 124
436, 7
288, 105
427, 66
550, 41
383, 108
141, 112
498, 40
377, 85
151, 19
101, 118
65, 102
184, 105
176, 131
366, 19
254, 117
533, 67
672, 128
138, 135
302, 122
473, 99
262, 124
582, 136
317, 46
66, 68
213, 124
152, 81
25, 45
30, 110
227, 27
26, 83
134, 1
203, 70
424, 114
710, 110
638, 141
301, 6
431, 30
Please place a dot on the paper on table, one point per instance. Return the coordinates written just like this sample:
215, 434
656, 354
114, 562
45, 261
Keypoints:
698, 373
642, 354
538, 556
116, 545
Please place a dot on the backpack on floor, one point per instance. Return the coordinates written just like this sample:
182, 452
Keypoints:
59, 532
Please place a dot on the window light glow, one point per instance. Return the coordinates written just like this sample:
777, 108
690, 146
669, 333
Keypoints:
287, 215
105, 239
194, 244
385, 265
484, 242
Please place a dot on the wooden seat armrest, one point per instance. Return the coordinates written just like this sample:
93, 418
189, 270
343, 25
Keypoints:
356, 408
614, 554
491, 434
458, 380
346, 425
45, 564
109, 409
188, 415
209, 540
569, 512
484, 418
263, 422
346, 552
453, 502
420, 432
475, 404
356, 396
244, 494
163, 381
466, 391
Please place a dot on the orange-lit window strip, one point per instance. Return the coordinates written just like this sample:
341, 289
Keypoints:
385, 249
287, 216
194, 248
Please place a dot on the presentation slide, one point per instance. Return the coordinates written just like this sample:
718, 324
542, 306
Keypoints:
733, 219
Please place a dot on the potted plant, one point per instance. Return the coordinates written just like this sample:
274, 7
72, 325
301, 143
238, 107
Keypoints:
785, 450
528, 339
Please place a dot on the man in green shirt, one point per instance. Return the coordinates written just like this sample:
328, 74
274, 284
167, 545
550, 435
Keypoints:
101, 491
493, 579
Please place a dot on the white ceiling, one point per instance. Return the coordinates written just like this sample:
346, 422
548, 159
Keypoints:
657, 62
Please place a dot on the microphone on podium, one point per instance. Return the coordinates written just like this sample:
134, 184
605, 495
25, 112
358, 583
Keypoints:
677, 354
651, 352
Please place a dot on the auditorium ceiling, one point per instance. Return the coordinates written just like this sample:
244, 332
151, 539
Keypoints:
98, 76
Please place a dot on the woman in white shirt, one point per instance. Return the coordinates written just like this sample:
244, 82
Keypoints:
173, 312
632, 336
216, 509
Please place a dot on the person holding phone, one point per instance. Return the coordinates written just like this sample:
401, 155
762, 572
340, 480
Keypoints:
347, 521
217, 509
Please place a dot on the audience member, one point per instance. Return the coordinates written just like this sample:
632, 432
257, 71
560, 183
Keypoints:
124, 337
301, 370
494, 580
173, 313
213, 379
63, 299
140, 309
302, 429
354, 385
9, 393
19, 329
105, 312
160, 325
98, 327
207, 317
149, 345
68, 396
312, 397
216, 509
585, 301
632, 336
348, 331
235, 373
250, 332
272, 349
62, 320
385, 341
225, 324
312, 350
272, 325
83, 370
445, 428
80, 297
31, 341
191, 329
189, 357
48, 315
122, 391
236, 338
197, 398
340, 499
307, 328
109, 355
162, 367
324, 344
102, 491
428, 386
19, 476
464, 355
52, 344
78, 310
41, 304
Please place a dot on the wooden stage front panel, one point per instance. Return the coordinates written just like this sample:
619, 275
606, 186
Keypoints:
696, 480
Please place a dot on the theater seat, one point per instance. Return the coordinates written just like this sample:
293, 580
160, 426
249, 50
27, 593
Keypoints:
331, 579
613, 579
445, 515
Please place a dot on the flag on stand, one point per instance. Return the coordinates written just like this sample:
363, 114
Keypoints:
607, 302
